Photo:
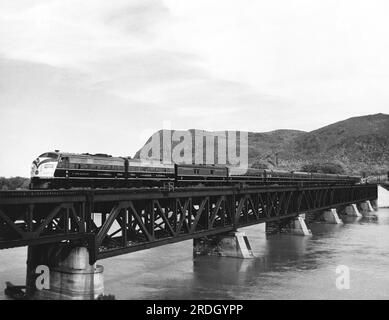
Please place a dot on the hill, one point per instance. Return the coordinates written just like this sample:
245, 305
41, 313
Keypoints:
261, 146
359, 144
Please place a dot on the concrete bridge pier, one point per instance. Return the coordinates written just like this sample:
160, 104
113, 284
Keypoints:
352, 211
296, 226
233, 244
374, 204
366, 207
299, 227
61, 273
331, 216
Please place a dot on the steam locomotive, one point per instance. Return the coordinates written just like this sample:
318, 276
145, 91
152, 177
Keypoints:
54, 170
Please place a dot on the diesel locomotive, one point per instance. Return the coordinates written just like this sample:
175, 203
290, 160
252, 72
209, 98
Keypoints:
55, 170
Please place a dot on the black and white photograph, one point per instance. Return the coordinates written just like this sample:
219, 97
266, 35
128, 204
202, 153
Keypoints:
194, 155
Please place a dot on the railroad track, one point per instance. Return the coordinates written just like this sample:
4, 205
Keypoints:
89, 191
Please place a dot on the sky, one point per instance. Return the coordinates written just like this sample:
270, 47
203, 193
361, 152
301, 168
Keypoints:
101, 76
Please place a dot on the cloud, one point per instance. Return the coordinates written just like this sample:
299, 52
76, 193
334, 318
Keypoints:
72, 33
144, 74
92, 75
47, 108
140, 17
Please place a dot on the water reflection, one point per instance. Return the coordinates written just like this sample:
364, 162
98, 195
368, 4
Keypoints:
371, 218
230, 271
326, 229
349, 219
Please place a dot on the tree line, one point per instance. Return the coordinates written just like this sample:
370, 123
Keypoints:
14, 183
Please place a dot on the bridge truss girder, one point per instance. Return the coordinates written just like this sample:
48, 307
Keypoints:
114, 222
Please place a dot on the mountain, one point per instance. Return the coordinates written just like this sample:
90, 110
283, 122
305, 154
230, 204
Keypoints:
359, 144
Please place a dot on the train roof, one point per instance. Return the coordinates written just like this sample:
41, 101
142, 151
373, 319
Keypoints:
83, 155
102, 156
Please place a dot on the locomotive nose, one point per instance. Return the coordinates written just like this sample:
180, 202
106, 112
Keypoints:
34, 167
34, 170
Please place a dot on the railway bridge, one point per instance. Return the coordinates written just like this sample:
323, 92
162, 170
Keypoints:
68, 231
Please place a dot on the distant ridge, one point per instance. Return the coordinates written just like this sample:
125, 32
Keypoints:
359, 144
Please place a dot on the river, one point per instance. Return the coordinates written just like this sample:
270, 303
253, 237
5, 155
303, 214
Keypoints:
285, 267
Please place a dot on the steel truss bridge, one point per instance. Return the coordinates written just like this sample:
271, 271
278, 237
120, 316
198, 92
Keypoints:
117, 221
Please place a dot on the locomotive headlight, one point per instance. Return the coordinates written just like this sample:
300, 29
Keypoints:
37, 172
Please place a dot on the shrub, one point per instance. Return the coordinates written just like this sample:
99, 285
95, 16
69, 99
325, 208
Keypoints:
259, 165
332, 168
14, 183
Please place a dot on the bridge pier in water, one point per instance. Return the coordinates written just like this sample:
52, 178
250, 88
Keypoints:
295, 225
233, 244
70, 275
331, 216
366, 207
374, 204
352, 211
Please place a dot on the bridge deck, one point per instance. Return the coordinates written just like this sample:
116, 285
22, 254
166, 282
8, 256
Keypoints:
116, 221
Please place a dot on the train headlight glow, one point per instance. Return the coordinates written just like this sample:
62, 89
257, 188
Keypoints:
37, 172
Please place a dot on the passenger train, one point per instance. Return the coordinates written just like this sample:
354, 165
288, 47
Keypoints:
55, 170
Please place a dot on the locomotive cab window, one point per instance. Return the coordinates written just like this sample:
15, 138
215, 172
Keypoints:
49, 155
